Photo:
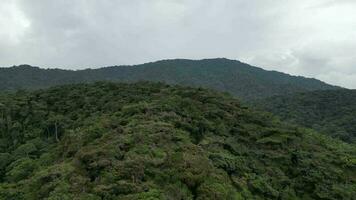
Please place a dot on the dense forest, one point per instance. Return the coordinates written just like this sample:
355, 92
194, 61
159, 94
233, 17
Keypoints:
240, 79
108, 141
331, 112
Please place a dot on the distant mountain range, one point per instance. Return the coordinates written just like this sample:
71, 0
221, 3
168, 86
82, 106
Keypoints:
332, 112
240, 79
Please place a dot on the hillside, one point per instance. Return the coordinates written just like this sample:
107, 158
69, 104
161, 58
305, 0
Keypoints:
231, 76
154, 141
331, 112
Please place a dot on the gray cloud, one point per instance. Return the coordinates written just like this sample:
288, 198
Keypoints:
302, 37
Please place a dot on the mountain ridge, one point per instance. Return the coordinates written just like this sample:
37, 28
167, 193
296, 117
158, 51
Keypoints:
159, 61
238, 78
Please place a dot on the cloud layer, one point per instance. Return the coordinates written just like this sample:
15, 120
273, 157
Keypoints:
302, 37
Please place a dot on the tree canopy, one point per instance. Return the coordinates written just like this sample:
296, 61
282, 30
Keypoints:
240, 79
332, 112
155, 141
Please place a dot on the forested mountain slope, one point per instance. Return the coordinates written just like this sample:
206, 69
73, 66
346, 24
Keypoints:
331, 112
154, 141
232, 76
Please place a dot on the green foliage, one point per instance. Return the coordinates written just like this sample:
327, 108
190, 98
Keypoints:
330, 112
25, 150
221, 74
20, 169
154, 141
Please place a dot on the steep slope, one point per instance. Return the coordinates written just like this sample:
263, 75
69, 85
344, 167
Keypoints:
237, 78
331, 112
154, 141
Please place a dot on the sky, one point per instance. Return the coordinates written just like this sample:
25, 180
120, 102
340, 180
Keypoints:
313, 38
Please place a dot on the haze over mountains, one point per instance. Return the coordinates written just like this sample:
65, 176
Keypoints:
240, 79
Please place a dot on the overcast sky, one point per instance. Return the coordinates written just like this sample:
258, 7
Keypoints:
314, 38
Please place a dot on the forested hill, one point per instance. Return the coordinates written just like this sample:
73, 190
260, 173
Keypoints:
108, 141
331, 112
232, 76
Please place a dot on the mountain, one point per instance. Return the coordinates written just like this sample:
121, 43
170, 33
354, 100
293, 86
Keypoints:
155, 141
331, 112
231, 76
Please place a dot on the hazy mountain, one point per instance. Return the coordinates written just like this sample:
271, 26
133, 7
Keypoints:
331, 112
232, 76
154, 141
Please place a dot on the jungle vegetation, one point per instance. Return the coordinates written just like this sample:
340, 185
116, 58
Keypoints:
240, 79
330, 112
108, 141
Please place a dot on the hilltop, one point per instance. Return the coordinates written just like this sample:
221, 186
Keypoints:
240, 79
